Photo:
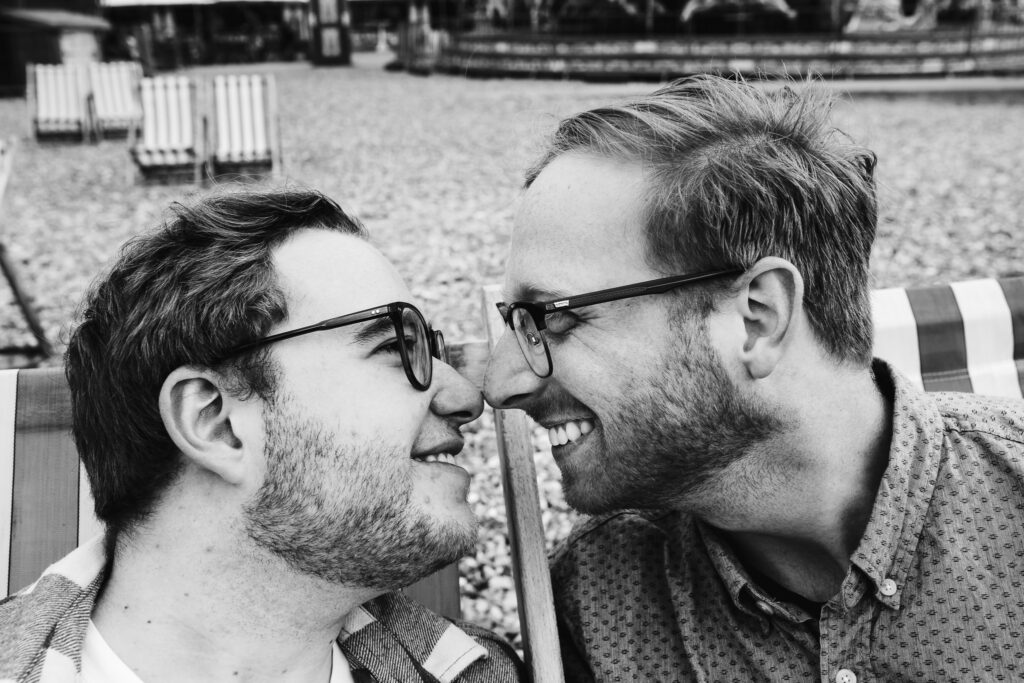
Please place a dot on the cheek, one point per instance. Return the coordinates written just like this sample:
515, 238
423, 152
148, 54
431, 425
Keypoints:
603, 372
363, 395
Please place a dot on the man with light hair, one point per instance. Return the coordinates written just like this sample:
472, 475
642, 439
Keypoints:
269, 429
688, 312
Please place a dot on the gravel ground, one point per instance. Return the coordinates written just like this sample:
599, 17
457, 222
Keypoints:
433, 165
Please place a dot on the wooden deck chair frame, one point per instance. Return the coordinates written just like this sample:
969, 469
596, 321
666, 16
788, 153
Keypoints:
57, 96
115, 108
168, 146
18, 355
244, 133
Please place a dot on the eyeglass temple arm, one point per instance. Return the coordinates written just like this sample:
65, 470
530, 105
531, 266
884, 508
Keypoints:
330, 323
626, 291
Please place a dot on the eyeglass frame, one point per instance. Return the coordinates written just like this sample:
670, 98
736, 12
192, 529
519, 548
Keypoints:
438, 349
538, 310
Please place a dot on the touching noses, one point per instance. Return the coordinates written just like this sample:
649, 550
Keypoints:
509, 382
456, 399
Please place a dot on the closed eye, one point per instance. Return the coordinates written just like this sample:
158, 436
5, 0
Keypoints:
390, 346
560, 322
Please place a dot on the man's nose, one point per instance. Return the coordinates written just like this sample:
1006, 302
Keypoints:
509, 382
456, 399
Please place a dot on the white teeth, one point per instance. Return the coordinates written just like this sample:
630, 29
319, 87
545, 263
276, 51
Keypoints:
572, 430
439, 457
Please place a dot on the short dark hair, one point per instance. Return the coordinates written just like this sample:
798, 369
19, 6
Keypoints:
740, 172
180, 295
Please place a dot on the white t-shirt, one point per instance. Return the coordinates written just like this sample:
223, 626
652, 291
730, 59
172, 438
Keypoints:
100, 664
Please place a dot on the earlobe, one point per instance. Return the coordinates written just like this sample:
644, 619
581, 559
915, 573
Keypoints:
770, 303
197, 415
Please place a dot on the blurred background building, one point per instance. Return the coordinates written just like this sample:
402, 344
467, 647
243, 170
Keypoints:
462, 35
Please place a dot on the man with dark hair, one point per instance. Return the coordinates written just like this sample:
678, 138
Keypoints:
689, 318
269, 432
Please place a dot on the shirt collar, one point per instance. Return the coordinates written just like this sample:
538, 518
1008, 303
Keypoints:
887, 547
746, 595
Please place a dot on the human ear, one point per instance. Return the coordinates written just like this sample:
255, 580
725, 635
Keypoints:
197, 414
770, 302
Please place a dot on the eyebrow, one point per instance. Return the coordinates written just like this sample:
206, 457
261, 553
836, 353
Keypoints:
533, 292
372, 329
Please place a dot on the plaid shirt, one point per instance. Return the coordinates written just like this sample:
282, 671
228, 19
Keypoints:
388, 640
935, 590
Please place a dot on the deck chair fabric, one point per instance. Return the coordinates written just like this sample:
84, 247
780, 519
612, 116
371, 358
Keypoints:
57, 98
167, 145
966, 336
115, 97
45, 503
244, 125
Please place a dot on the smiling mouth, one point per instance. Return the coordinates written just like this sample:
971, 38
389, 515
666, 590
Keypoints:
445, 458
569, 432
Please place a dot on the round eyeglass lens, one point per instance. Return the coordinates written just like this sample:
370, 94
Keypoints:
417, 345
531, 342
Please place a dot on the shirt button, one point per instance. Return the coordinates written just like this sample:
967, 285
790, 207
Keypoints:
887, 588
846, 676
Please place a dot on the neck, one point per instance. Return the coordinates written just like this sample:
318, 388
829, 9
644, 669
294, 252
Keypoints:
808, 495
182, 605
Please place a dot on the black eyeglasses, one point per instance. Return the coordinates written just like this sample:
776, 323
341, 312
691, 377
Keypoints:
528, 318
418, 344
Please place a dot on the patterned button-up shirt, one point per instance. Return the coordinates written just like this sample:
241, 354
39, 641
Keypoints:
935, 590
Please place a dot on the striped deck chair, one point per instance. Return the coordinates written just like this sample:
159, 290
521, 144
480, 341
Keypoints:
45, 503
115, 97
57, 100
244, 126
168, 146
967, 336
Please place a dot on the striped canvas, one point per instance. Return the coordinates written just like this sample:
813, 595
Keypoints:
59, 92
168, 122
115, 93
244, 126
967, 336
45, 505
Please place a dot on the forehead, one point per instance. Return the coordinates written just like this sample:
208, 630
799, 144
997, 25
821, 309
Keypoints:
325, 274
578, 228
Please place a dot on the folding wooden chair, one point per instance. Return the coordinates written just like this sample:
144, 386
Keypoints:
116, 110
57, 101
18, 355
967, 336
168, 147
45, 503
244, 127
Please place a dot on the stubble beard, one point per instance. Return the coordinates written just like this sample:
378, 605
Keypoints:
667, 440
338, 512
